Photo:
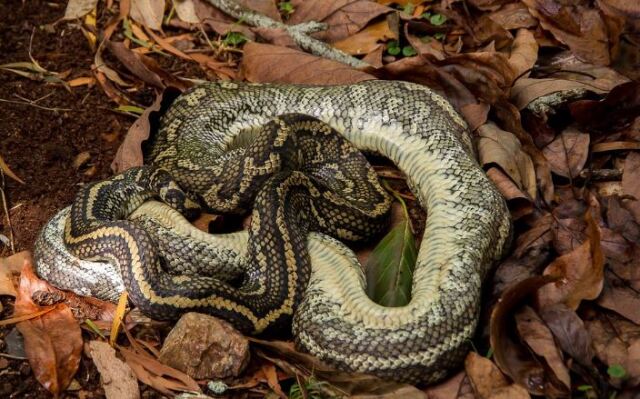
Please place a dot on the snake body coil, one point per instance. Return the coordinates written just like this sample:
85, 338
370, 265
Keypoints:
217, 143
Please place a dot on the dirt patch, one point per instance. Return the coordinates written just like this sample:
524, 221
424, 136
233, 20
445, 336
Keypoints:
41, 144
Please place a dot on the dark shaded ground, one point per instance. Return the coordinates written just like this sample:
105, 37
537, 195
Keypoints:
40, 147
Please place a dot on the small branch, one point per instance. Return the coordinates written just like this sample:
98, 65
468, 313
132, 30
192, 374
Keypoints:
299, 33
3, 198
33, 103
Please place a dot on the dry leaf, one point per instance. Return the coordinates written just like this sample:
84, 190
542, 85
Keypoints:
267, 63
569, 331
580, 28
524, 53
502, 148
538, 337
117, 378
79, 8
618, 109
367, 39
568, 153
130, 152
53, 341
519, 203
511, 356
487, 380
343, 17
630, 186
148, 13
4, 168
450, 388
513, 16
581, 272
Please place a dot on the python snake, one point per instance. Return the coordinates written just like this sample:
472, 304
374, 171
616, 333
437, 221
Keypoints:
258, 279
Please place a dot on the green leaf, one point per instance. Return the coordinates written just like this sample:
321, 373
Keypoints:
132, 109
390, 266
234, 39
616, 371
286, 7
408, 8
437, 19
425, 15
585, 388
438, 35
393, 49
408, 51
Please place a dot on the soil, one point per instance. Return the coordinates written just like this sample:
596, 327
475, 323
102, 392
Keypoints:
41, 144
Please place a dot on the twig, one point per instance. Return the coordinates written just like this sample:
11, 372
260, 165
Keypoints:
32, 103
3, 197
8, 356
298, 33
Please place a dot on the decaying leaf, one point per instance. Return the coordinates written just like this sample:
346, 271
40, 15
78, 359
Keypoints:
511, 356
524, 53
117, 378
568, 153
340, 382
148, 12
367, 39
538, 337
9, 269
630, 186
502, 148
580, 272
569, 331
53, 341
79, 8
267, 63
487, 380
130, 152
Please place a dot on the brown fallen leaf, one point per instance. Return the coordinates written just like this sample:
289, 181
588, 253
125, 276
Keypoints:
581, 28
581, 272
117, 378
630, 186
519, 203
10, 269
267, 63
509, 354
524, 53
502, 148
569, 331
539, 235
52, 341
487, 380
130, 151
367, 39
355, 385
513, 16
343, 17
619, 296
617, 110
568, 153
538, 337
4, 168
144, 67
456, 387
147, 12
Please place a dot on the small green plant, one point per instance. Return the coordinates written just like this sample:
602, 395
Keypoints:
234, 39
393, 48
315, 389
434, 19
286, 7
408, 8
616, 371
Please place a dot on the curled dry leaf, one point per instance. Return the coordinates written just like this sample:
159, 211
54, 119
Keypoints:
539, 338
4, 168
267, 63
524, 53
502, 148
117, 378
568, 153
130, 152
148, 12
511, 356
52, 341
581, 271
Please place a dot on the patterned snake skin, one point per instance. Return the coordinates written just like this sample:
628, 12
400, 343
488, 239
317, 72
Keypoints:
467, 229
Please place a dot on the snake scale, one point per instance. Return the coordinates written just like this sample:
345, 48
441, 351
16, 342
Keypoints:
219, 139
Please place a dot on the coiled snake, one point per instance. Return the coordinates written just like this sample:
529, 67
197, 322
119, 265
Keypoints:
220, 139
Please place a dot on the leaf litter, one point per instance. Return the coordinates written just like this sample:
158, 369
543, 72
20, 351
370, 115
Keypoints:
558, 135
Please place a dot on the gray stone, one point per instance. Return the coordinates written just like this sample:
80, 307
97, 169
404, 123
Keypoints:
205, 347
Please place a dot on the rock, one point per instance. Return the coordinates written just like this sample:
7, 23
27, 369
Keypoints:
205, 347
